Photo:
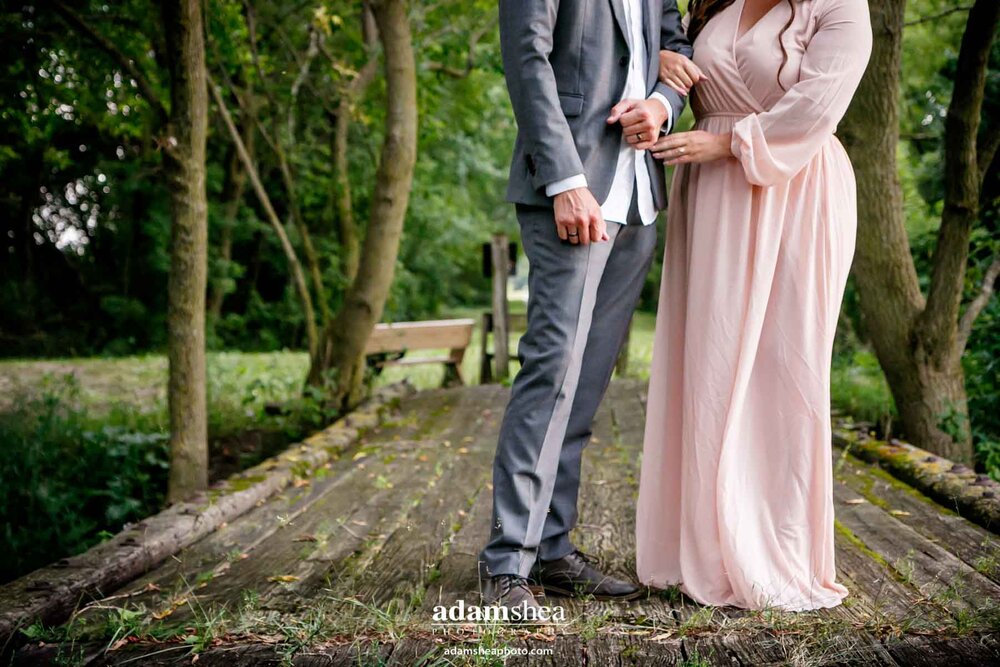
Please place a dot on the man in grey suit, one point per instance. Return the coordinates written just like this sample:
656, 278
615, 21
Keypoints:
583, 81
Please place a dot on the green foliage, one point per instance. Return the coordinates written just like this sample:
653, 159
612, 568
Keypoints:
83, 453
66, 479
859, 389
982, 378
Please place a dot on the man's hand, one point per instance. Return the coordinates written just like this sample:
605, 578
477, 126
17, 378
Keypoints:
579, 219
641, 121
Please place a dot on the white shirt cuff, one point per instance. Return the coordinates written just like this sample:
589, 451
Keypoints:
565, 184
669, 123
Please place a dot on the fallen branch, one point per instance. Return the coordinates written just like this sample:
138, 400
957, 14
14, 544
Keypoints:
955, 485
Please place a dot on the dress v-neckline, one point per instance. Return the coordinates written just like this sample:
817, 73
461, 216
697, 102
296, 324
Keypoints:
750, 29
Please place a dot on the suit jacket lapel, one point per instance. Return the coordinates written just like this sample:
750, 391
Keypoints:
618, 7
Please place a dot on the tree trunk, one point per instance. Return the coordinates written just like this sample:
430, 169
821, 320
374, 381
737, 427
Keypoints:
342, 348
350, 244
298, 275
916, 341
299, 223
184, 162
232, 194
350, 240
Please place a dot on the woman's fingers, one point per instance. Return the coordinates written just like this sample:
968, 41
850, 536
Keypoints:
673, 146
672, 141
682, 75
693, 71
666, 154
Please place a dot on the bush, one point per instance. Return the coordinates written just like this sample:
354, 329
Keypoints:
69, 482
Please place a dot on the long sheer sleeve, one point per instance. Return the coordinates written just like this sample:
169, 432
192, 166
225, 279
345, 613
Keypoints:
773, 146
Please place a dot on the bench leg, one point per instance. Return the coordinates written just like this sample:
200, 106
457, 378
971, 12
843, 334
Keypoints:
452, 376
485, 358
453, 369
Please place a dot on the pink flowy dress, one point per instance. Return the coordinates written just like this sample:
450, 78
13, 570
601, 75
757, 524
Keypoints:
735, 496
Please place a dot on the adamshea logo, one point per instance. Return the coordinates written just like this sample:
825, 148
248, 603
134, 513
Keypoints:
523, 613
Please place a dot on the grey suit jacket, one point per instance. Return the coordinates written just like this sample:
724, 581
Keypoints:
566, 63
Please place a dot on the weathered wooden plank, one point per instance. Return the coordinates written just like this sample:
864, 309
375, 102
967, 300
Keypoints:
558, 650
410, 555
936, 573
631, 649
733, 649
807, 645
876, 597
459, 576
422, 416
294, 555
359, 516
977, 547
348, 528
607, 509
416, 652
248, 655
974, 651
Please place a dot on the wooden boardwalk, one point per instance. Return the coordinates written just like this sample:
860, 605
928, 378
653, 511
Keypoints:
346, 566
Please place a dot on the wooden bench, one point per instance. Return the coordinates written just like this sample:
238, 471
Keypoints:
389, 344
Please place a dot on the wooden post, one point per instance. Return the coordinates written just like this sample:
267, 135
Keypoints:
621, 366
500, 256
485, 358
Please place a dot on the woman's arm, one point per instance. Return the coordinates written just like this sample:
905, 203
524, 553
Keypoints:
773, 146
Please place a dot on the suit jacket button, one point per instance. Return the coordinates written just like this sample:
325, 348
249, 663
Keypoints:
623, 61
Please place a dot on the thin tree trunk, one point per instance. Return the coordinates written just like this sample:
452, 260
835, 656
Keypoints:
342, 348
298, 275
308, 249
350, 239
232, 194
185, 170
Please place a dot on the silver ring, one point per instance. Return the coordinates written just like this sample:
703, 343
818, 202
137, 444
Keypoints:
681, 150
639, 137
572, 236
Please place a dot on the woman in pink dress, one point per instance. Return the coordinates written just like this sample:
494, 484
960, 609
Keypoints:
735, 498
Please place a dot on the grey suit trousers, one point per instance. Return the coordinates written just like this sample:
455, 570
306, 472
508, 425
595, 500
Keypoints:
581, 299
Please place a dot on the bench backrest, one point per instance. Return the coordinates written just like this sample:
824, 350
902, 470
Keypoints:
429, 335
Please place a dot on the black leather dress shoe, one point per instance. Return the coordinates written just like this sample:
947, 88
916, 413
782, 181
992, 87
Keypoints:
575, 575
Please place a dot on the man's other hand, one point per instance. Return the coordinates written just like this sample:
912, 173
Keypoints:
579, 219
641, 121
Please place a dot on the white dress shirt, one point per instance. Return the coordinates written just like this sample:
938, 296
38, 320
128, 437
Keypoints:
631, 169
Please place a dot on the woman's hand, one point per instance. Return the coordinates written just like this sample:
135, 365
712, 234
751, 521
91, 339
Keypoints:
694, 146
679, 72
